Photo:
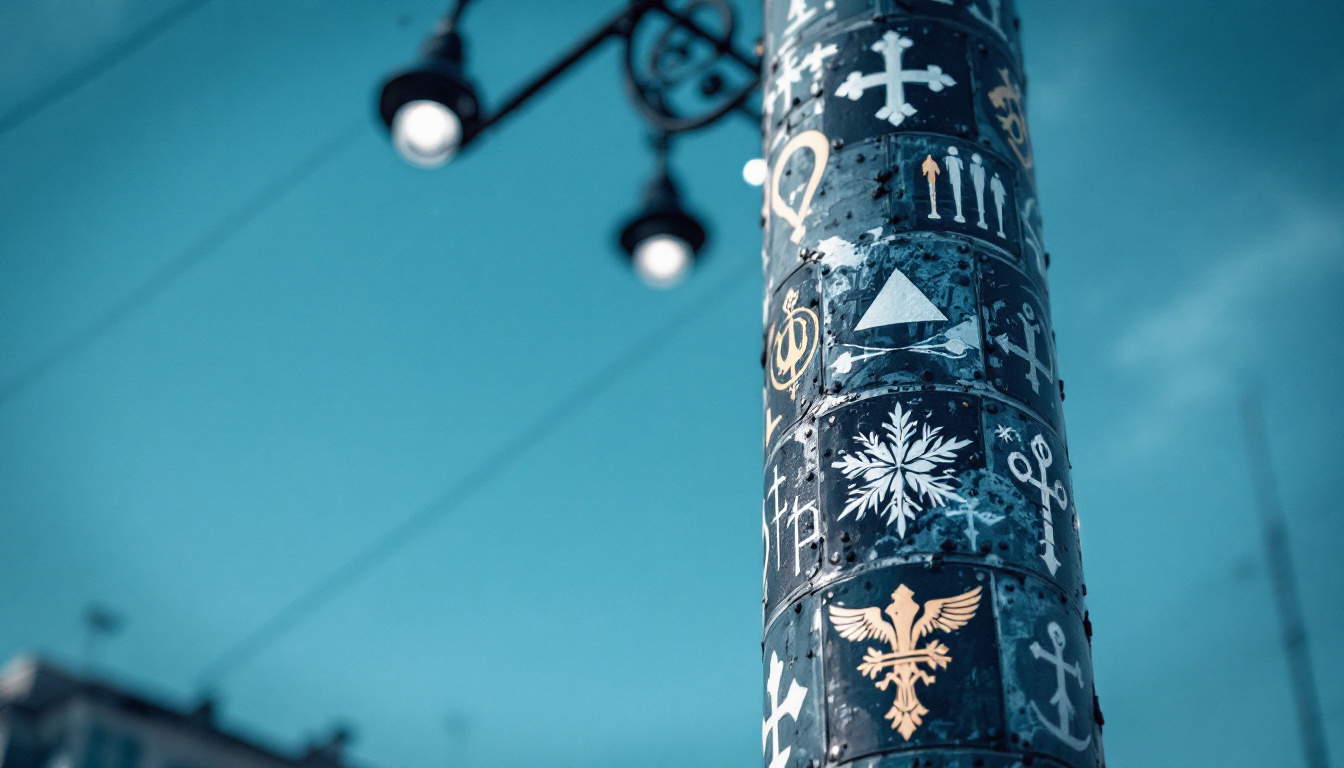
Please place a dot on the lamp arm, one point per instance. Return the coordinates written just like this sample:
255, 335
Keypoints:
617, 26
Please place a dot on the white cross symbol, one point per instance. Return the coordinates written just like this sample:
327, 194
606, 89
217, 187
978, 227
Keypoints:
891, 46
782, 89
973, 514
791, 71
1034, 365
799, 14
1021, 469
1063, 706
816, 57
791, 706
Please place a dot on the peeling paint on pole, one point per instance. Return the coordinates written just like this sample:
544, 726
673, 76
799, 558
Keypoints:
923, 587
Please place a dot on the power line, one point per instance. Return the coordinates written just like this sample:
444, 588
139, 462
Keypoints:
182, 263
501, 458
77, 79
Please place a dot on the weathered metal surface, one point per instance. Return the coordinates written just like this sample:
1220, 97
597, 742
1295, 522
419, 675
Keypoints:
791, 516
923, 589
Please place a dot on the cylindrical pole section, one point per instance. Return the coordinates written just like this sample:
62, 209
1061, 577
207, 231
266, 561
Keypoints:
924, 595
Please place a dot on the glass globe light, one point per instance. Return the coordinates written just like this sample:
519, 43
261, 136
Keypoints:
426, 133
662, 261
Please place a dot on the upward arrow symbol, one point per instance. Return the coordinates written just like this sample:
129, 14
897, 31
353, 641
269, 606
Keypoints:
899, 301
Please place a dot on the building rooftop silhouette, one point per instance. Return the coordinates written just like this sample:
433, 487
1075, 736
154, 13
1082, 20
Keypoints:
52, 718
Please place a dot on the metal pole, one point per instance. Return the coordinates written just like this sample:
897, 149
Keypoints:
1285, 586
924, 594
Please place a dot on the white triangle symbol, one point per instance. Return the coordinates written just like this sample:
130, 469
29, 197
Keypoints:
899, 301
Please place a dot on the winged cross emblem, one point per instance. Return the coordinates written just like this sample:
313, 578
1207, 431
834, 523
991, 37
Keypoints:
902, 634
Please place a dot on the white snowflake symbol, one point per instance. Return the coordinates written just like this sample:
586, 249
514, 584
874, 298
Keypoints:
899, 471
1005, 433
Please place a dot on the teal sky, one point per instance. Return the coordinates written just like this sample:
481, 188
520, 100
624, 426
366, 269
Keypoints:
364, 342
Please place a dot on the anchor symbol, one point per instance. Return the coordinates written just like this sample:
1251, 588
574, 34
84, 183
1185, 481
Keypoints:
1063, 706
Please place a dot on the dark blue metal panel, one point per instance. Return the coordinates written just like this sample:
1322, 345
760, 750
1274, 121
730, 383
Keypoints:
933, 94
1028, 485
793, 724
895, 681
894, 468
957, 186
863, 352
1047, 663
846, 201
1021, 362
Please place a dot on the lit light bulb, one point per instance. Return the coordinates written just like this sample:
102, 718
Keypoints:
426, 133
755, 171
662, 261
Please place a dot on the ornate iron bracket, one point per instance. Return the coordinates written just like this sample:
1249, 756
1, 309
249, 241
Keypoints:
682, 69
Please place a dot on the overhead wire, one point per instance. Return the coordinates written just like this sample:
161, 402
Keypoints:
503, 457
183, 262
89, 72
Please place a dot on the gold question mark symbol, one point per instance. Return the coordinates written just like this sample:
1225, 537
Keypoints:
821, 150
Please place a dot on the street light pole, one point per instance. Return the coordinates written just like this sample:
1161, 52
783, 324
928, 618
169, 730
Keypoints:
1274, 530
924, 595
923, 586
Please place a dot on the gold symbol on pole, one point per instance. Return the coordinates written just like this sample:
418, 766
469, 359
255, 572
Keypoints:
902, 664
821, 150
793, 344
771, 421
930, 170
1007, 99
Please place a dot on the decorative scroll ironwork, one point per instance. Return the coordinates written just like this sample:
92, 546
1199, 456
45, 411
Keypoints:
681, 68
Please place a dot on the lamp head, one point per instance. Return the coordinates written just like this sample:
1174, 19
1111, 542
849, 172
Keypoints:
431, 109
662, 240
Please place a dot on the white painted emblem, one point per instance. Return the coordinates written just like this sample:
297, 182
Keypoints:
791, 706
781, 90
1034, 365
899, 301
954, 165
993, 19
790, 73
973, 514
782, 513
997, 189
799, 14
813, 62
953, 344
1020, 466
893, 78
978, 179
899, 470
1064, 708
